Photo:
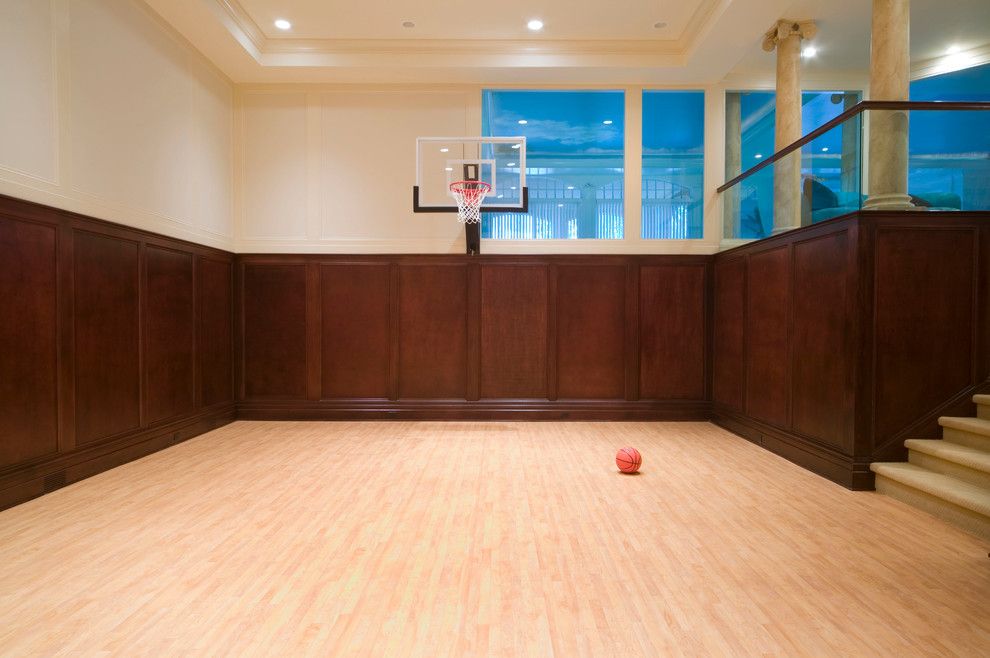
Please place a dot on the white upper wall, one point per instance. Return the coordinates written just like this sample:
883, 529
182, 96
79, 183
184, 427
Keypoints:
331, 169
107, 112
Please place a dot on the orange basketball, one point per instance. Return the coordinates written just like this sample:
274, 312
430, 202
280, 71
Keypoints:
628, 460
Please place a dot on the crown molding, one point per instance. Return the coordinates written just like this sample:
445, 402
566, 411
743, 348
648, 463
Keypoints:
463, 52
947, 63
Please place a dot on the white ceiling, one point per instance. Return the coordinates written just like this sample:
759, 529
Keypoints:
456, 19
587, 42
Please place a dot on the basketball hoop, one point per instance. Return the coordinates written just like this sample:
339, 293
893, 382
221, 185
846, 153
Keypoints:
469, 195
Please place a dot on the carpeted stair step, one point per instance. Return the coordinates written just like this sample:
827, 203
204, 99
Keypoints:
949, 498
972, 432
982, 406
963, 462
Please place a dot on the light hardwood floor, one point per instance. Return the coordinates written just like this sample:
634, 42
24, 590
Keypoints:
461, 539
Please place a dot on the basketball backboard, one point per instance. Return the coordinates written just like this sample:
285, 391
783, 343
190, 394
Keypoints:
498, 161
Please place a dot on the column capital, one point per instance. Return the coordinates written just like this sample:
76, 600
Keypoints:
785, 28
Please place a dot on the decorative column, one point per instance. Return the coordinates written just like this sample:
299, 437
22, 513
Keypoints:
785, 37
890, 77
733, 164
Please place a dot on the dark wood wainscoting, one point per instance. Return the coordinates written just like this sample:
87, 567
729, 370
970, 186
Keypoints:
835, 343
114, 343
438, 336
829, 345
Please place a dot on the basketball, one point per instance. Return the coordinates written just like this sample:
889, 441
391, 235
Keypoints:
628, 460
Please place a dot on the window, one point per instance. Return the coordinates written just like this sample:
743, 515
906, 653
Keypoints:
574, 162
749, 137
673, 164
949, 151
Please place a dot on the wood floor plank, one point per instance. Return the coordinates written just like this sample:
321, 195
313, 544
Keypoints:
463, 539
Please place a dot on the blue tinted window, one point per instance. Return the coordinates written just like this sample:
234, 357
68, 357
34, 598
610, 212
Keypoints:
673, 164
755, 141
971, 84
574, 162
949, 151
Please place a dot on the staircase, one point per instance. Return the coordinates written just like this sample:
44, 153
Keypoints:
949, 478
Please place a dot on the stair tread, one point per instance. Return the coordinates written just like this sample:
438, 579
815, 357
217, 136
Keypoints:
979, 426
953, 452
953, 490
981, 399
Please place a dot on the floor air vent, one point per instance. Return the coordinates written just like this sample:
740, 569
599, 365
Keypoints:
54, 481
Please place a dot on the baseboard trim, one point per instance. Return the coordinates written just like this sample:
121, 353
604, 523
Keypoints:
830, 464
375, 409
25, 482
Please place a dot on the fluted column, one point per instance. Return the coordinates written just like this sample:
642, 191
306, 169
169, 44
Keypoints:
890, 71
733, 163
785, 37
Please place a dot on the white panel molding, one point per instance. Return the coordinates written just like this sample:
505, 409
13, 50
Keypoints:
242, 209
315, 166
62, 190
53, 128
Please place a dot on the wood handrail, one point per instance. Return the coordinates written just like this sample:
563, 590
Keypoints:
858, 108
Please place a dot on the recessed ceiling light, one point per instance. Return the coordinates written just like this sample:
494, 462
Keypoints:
511, 164
536, 25
809, 51
607, 122
513, 187
560, 205
660, 25
516, 146
444, 150
570, 187
408, 24
952, 50
758, 156
283, 24
824, 149
523, 122
449, 169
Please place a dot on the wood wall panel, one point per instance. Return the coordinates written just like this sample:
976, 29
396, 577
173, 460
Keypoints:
355, 334
28, 348
729, 367
432, 325
274, 321
926, 286
168, 325
822, 340
107, 361
97, 345
215, 338
767, 315
591, 331
860, 332
672, 331
514, 320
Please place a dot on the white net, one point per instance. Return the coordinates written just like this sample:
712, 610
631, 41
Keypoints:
469, 194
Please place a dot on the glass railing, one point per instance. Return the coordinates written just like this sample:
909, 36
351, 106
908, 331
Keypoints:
943, 150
